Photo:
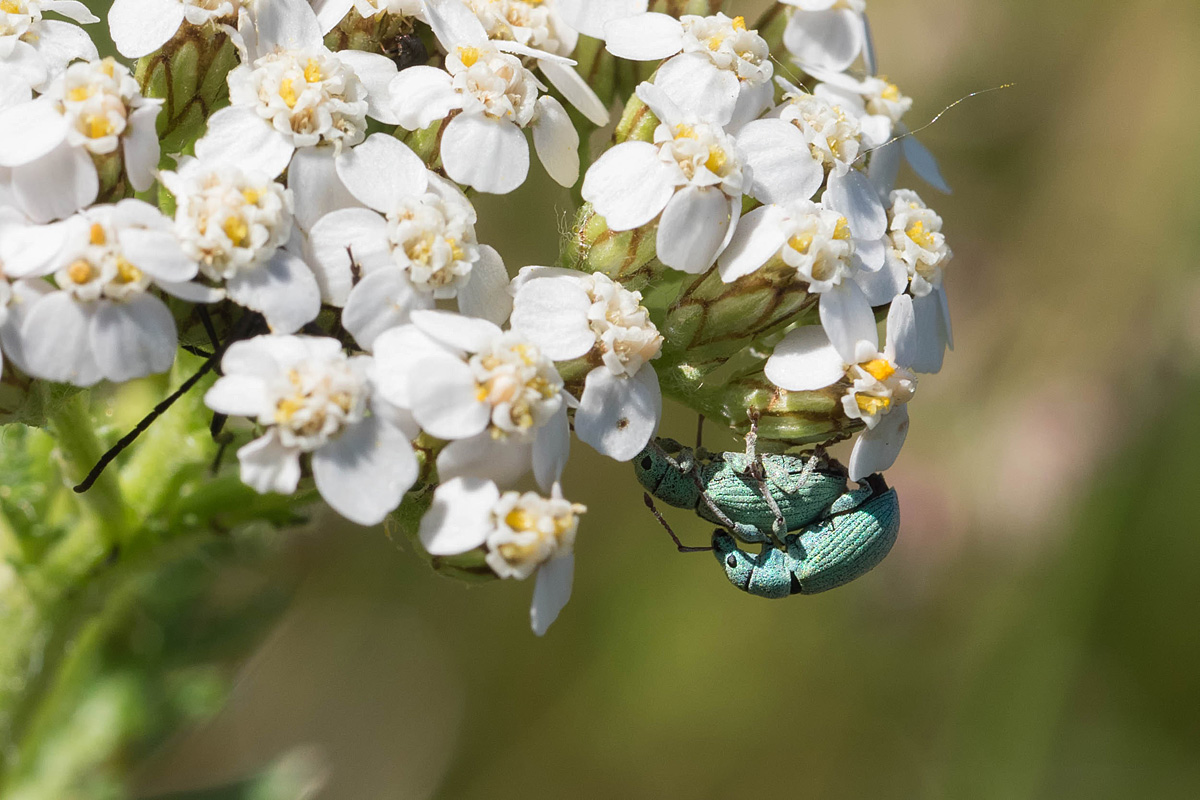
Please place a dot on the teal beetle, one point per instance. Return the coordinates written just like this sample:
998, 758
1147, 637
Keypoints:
748, 494
850, 541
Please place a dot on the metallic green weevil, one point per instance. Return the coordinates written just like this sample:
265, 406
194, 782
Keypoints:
851, 540
758, 498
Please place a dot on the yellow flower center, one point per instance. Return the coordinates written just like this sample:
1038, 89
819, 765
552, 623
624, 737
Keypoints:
801, 243
237, 230
872, 405
287, 93
96, 234
842, 229
716, 160
468, 56
880, 369
126, 272
685, 132
739, 23
80, 272
312, 71
251, 196
79, 94
97, 126
918, 234
10, 7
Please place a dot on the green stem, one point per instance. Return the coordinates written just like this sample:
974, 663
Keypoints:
74, 430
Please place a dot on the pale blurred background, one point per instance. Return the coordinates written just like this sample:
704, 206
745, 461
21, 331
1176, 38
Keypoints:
1032, 635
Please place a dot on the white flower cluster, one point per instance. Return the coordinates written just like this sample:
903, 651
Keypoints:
381, 344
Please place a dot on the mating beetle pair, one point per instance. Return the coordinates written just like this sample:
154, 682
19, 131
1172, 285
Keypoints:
816, 534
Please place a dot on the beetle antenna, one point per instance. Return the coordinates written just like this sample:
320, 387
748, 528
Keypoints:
680, 546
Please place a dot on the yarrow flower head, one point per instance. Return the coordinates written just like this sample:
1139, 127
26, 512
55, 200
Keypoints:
571, 316
523, 534
828, 34
413, 245
91, 111
35, 50
492, 394
311, 398
918, 252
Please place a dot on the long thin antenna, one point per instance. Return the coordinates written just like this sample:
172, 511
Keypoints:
939, 115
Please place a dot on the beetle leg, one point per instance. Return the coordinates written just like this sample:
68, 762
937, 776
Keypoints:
678, 544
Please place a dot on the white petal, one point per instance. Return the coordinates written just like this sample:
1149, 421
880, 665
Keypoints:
852, 195
825, 39
551, 591
238, 136
381, 172
644, 37
139, 27
877, 448
157, 253
286, 25
930, 348
133, 338
29, 131
752, 101
700, 88
382, 300
313, 179
489, 155
337, 236
238, 395
454, 24
57, 184
192, 292
456, 331
902, 341
847, 318
264, 355
629, 185
780, 161
758, 237
884, 167
140, 146
617, 415
376, 73
693, 228
924, 164
576, 90
589, 17
947, 328
268, 466
883, 284
443, 399
460, 517
419, 95
364, 472
870, 254
551, 449
61, 42
483, 457
805, 361
283, 290
552, 312
27, 250
397, 352
71, 9
556, 141
56, 338
331, 12
486, 293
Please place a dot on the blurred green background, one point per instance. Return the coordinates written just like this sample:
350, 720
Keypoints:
1033, 633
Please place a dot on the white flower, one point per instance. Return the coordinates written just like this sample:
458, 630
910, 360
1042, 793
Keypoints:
484, 146
298, 106
692, 175
331, 12
876, 103
590, 17
139, 27
880, 384
721, 62
493, 394
92, 109
33, 50
570, 315
234, 222
833, 136
312, 398
918, 246
523, 534
413, 245
828, 34
102, 322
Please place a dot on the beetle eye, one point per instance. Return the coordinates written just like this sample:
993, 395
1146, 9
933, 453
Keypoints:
731, 561
647, 463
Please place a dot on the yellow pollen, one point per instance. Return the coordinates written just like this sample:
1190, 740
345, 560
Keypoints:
513, 553
97, 126
80, 272
251, 196
481, 393
739, 23
891, 92
801, 243
520, 520
715, 43
456, 252
287, 92
288, 408
872, 405
10, 7
421, 249
96, 235
468, 56
842, 229
312, 71
106, 66
685, 132
716, 160
880, 369
918, 234
79, 93
525, 353
237, 230
126, 272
